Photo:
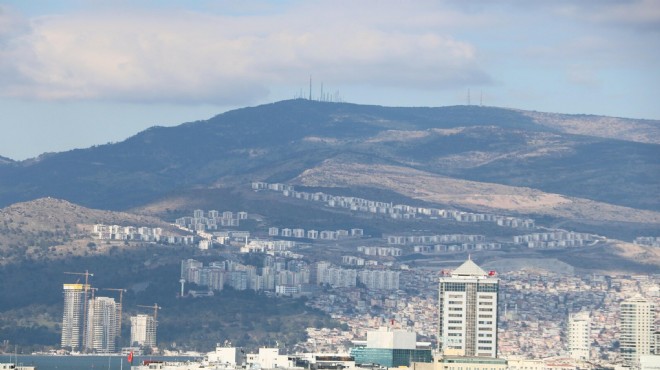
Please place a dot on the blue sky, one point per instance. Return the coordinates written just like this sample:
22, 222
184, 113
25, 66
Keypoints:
77, 73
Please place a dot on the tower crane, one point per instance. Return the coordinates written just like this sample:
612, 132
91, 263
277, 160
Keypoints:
87, 275
156, 307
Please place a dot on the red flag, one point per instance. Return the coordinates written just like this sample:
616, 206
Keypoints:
130, 358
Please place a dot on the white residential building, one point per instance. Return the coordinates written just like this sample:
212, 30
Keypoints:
637, 315
468, 312
102, 318
143, 330
579, 335
72, 318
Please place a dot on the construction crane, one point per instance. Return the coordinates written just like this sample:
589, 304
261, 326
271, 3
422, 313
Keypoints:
156, 307
121, 295
87, 275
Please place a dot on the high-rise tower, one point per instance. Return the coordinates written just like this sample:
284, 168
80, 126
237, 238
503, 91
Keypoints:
101, 325
579, 335
143, 330
468, 312
637, 315
72, 319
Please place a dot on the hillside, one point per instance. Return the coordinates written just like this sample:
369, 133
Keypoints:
477, 196
611, 161
49, 228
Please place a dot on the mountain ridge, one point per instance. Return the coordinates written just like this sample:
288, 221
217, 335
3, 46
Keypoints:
475, 143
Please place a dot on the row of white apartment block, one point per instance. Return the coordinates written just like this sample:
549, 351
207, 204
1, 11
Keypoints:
464, 247
315, 234
380, 251
398, 211
556, 239
272, 247
217, 275
355, 261
338, 277
221, 237
134, 233
201, 221
257, 185
433, 239
651, 241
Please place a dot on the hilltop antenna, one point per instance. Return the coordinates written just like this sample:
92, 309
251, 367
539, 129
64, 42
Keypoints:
310, 87
322, 99
481, 99
468, 97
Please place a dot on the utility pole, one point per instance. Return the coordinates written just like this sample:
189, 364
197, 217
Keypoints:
87, 275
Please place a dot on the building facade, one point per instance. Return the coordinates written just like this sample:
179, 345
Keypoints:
636, 335
102, 318
72, 318
468, 312
579, 336
143, 331
389, 347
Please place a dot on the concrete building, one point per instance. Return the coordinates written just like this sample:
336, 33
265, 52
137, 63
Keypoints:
143, 330
579, 336
72, 319
636, 336
268, 358
102, 316
389, 347
468, 312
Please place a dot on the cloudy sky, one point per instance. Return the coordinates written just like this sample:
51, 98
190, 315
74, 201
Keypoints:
76, 73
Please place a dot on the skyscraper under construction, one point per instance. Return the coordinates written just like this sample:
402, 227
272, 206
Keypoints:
101, 325
72, 319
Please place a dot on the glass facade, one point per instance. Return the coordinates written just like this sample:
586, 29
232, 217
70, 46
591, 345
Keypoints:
390, 357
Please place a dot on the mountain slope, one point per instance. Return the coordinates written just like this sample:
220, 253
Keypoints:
278, 141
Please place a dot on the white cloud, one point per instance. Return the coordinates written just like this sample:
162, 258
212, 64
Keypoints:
185, 56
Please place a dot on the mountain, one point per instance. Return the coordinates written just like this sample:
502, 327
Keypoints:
5, 160
608, 160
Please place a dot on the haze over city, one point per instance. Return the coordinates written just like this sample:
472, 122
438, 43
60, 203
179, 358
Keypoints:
328, 185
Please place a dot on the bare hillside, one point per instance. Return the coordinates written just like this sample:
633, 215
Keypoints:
477, 196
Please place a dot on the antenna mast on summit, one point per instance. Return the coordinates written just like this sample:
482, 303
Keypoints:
310, 87
481, 99
468, 97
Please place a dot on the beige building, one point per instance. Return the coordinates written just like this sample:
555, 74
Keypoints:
468, 312
636, 335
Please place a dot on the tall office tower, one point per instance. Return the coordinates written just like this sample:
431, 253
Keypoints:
72, 319
636, 332
468, 312
579, 335
101, 325
143, 330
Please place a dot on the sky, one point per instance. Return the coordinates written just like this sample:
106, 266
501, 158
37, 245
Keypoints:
77, 73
